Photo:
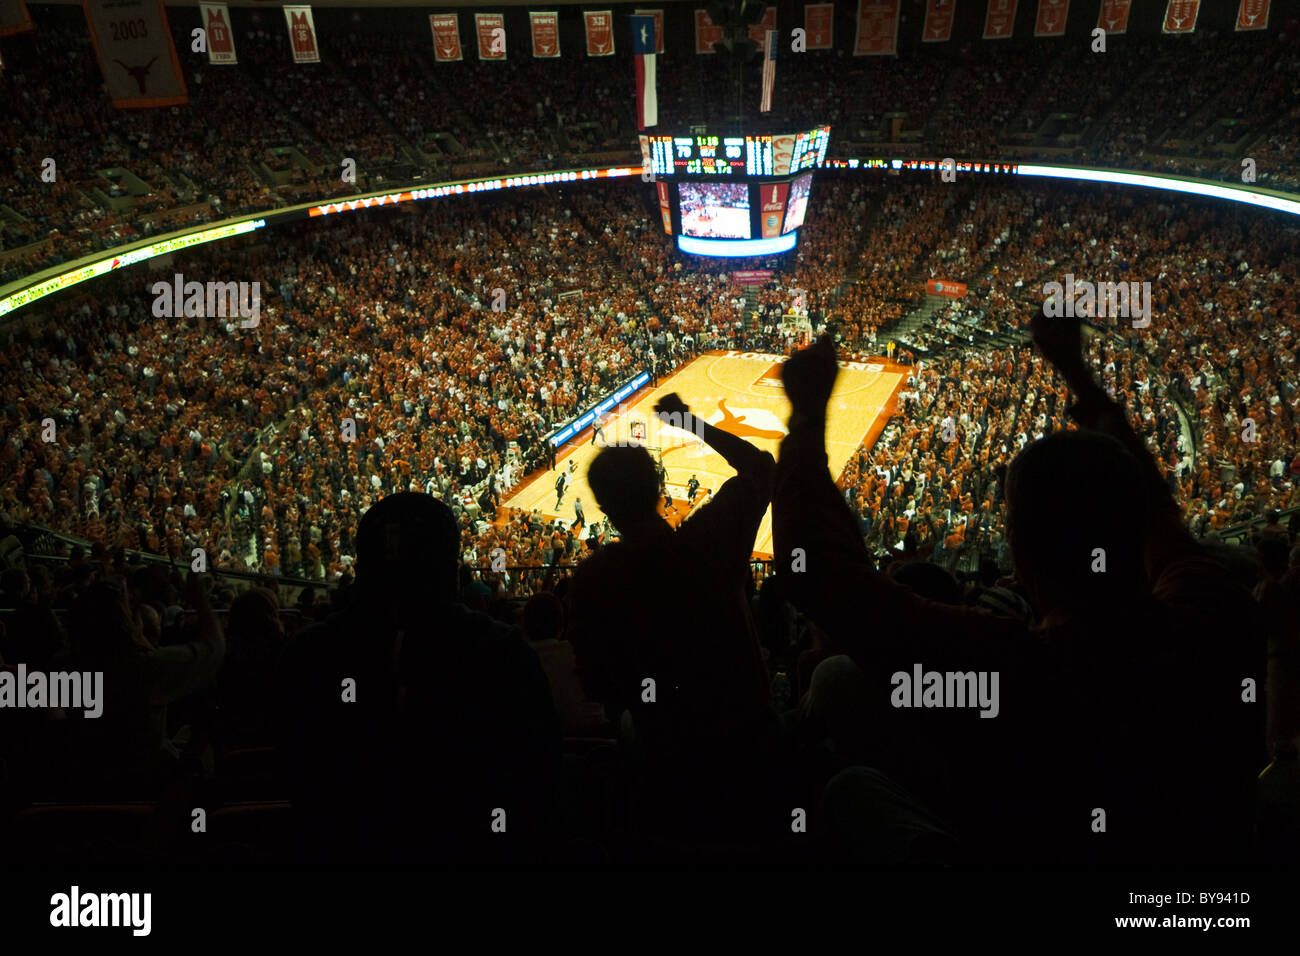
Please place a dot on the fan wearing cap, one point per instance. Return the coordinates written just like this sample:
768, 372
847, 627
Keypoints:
416, 719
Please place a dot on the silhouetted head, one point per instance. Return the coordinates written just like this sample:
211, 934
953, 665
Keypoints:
1076, 503
254, 622
408, 549
543, 617
625, 483
928, 580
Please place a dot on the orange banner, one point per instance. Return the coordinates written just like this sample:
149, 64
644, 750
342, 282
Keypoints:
1113, 17
1052, 15
446, 37
1000, 20
600, 32
490, 29
706, 33
938, 20
1251, 15
302, 34
1180, 16
221, 42
133, 44
877, 33
546, 34
954, 290
819, 25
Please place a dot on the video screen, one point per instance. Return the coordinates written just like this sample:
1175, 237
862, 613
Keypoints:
797, 206
715, 210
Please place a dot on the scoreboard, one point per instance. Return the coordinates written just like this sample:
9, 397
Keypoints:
753, 155
810, 149
737, 156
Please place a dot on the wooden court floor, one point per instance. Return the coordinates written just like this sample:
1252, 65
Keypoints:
738, 392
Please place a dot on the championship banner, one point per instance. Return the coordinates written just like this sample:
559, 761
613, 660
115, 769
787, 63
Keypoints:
665, 210
877, 33
546, 34
819, 26
1000, 19
1113, 17
136, 56
446, 37
707, 34
216, 24
1052, 15
490, 29
758, 31
659, 26
1251, 15
14, 18
600, 32
773, 211
954, 290
302, 34
1180, 16
938, 21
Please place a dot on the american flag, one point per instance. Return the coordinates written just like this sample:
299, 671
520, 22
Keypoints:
769, 70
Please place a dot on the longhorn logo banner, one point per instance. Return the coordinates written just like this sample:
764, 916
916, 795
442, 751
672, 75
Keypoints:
1113, 17
491, 43
134, 47
938, 21
546, 34
1000, 19
600, 32
1052, 15
446, 37
1251, 15
1180, 16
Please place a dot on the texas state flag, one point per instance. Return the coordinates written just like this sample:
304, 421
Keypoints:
644, 44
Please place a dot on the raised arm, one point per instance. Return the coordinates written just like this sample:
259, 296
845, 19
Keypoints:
751, 463
1061, 342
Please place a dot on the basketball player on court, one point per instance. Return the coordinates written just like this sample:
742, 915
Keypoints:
561, 483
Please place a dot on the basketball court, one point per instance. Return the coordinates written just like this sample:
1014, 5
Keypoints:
738, 392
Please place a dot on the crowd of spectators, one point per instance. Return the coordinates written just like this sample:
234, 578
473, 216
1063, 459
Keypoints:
468, 710
401, 117
455, 338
